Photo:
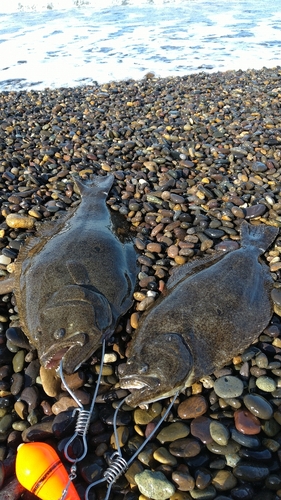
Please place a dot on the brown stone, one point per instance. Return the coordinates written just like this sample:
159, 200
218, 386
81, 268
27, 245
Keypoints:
183, 480
203, 478
200, 428
154, 247
134, 320
172, 251
192, 407
74, 381
64, 404
224, 480
185, 447
246, 423
51, 381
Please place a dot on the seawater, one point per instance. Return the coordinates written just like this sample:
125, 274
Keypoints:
65, 43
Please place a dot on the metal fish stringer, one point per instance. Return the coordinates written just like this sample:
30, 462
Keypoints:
82, 424
118, 465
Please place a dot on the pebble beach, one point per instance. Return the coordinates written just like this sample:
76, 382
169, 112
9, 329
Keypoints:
192, 158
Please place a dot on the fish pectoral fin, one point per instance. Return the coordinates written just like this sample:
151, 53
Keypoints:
72, 299
103, 312
78, 272
66, 294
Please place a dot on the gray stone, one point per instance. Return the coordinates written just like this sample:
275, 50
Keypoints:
154, 485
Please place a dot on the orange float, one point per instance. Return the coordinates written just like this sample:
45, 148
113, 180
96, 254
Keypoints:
39, 470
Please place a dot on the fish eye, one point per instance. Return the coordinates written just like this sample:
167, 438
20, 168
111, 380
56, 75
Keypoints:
143, 368
59, 334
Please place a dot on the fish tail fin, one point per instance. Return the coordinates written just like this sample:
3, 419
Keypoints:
260, 236
99, 184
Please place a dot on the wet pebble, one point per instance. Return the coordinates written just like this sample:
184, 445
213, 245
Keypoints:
244, 439
246, 422
51, 381
219, 433
243, 492
208, 493
254, 211
91, 471
224, 480
20, 221
21, 409
18, 361
185, 447
30, 395
122, 436
228, 387
135, 468
73, 381
154, 485
38, 432
262, 455
192, 407
230, 449
143, 417
266, 384
203, 478
183, 480
200, 428
17, 383
63, 424
250, 473
64, 404
173, 432
258, 406
163, 456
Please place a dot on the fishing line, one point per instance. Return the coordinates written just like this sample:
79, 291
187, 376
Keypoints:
117, 464
82, 423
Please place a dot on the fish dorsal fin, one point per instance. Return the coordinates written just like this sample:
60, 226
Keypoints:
186, 270
78, 272
44, 233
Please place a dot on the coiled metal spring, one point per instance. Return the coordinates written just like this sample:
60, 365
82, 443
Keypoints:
118, 465
83, 422
84, 416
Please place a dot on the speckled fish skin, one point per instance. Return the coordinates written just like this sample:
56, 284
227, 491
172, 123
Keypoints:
75, 279
213, 310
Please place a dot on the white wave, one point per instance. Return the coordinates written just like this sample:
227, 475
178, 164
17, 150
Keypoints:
10, 6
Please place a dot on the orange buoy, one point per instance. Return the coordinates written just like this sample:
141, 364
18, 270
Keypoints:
39, 470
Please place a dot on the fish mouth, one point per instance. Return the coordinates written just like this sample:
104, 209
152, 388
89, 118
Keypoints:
55, 360
54, 355
133, 383
142, 390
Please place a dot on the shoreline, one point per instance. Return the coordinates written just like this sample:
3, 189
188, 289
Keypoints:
192, 158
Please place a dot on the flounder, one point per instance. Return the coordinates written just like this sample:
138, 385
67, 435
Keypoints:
75, 279
214, 308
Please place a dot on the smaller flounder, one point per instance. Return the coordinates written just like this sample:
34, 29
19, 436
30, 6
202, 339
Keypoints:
215, 307
75, 279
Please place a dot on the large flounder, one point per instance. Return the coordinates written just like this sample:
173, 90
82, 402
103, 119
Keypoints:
214, 308
75, 279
